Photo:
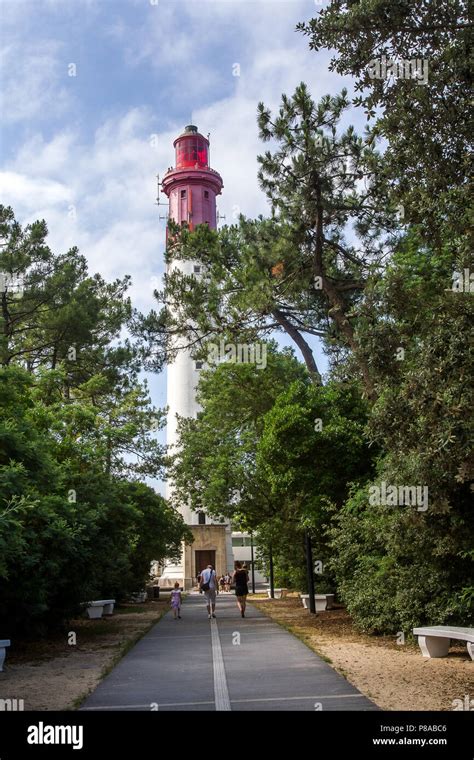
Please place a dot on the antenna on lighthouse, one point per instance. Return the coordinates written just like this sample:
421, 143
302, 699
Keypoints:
157, 201
157, 189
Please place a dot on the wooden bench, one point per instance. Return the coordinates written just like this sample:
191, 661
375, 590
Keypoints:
4, 643
100, 607
434, 640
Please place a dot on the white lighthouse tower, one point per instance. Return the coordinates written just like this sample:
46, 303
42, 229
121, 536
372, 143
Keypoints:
192, 186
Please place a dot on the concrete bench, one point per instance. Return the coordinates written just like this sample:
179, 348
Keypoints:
330, 601
434, 640
280, 593
4, 643
109, 606
140, 597
320, 600
100, 607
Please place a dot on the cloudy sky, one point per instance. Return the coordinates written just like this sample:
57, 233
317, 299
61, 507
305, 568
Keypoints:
95, 91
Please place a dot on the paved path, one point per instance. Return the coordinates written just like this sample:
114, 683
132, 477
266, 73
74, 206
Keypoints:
228, 663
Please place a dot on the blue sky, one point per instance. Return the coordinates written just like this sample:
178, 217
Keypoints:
83, 151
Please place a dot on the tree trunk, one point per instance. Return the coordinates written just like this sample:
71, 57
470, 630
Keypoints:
5, 359
336, 301
309, 571
296, 336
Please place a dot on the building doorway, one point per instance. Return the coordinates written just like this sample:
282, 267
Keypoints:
204, 558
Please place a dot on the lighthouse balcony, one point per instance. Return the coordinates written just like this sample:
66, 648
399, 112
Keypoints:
191, 170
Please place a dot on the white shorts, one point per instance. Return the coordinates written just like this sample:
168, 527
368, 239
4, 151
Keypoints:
210, 595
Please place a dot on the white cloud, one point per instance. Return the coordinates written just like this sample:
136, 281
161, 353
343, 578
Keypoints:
40, 158
103, 201
34, 82
25, 191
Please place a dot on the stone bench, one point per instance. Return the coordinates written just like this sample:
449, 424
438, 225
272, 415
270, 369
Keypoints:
140, 597
330, 601
322, 601
100, 607
434, 640
4, 643
280, 593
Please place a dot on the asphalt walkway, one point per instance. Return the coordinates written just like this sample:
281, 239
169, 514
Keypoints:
227, 663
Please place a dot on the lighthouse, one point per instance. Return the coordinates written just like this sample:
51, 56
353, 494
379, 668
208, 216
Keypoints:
191, 187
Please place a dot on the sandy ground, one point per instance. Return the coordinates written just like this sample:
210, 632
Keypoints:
52, 675
395, 677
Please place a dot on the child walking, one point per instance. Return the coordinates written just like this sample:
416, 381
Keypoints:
175, 601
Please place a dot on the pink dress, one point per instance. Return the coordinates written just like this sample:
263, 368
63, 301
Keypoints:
176, 599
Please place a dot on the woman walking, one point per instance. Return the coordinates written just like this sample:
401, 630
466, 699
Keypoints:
241, 579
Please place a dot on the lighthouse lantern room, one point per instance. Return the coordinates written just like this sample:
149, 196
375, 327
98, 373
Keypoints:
192, 186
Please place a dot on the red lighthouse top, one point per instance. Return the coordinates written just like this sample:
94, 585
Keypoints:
191, 149
191, 185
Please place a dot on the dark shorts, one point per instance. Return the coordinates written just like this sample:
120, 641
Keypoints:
241, 590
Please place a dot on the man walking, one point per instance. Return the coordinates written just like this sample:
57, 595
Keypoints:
209, 586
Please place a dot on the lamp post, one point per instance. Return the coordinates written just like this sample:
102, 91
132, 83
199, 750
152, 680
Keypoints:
272, 581
253, 565
309, 571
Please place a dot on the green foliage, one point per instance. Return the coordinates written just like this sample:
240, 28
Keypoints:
313, 444
215, 468
424, 119
68, 532
398, 567
63, 314
75, 435
253, 455
312, 450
